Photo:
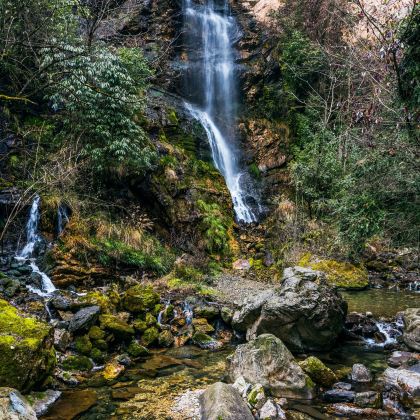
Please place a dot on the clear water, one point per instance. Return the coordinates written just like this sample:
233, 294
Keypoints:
209, 30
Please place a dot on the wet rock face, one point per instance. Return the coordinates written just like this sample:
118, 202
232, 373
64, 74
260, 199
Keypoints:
26, 353
267, 361
304, 312
411, 336
406, 379
222, 401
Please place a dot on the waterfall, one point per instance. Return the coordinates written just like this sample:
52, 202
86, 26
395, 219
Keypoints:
27, 253
211, 87
62, 218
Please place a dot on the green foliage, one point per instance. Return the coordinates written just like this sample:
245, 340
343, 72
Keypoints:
97, 95
111, 252
302, 63
254, 171
214, 227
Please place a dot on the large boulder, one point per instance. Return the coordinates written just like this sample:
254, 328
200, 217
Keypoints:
14, 406
140, 298
411, 336
27, 355
267, 361
84, 319
222, 401
305, 312
407, 379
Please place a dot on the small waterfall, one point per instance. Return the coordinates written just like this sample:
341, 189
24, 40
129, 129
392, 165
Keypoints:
188, 313
27, 253
414, 286
210, 85
389, 330
62, 218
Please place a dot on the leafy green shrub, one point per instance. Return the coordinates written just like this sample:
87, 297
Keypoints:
97, 95
215, 228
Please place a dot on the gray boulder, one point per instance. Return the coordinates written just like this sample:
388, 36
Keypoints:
411, 336
405, 379
84, 319
14, 406
360, 373
222, 401
267, 361
305, 312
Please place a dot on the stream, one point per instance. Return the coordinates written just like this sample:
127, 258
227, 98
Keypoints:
149, 388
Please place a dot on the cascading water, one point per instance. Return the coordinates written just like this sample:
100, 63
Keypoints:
210, 84
62, 218
27, 253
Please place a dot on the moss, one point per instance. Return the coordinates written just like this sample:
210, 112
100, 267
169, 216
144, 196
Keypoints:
26, 353
254, 171
341, 274
137, 350
150, 320
203, 340
83, 345
172, 117
97, 355
82, 363
95, 333
150, 336
166, 339
318, 372
140, 298
100, 299
140, 325
101, 344
116, 326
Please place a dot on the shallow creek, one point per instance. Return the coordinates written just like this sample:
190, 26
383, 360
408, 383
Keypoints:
148, 389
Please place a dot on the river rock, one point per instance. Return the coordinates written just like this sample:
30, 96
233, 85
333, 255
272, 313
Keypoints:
222, 401
266, 360
349, 410
14, 406
360, 373
27, 355
62, 339
339, 395
256, 397
140, 298
84, 319
318, 372
368, 399
271, 411
405, 379
42, 401
304, 312
403, 358
411, 335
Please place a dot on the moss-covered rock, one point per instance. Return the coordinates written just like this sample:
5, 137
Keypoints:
116, 326
137, 350
82, 363
150, 320
318, 372
150, 336
140, 298
340, 274
203, 340
140, 325
83, 345
27, 355
95, 333
97, 355
166, 339
202, 325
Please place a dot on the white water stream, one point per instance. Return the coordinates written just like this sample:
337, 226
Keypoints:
211, 85
27, 253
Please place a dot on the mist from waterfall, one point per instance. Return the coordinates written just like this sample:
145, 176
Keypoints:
211, 90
